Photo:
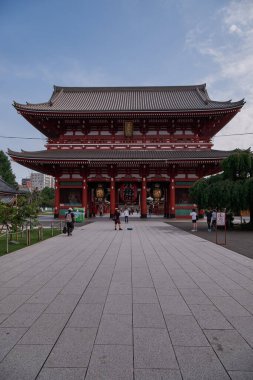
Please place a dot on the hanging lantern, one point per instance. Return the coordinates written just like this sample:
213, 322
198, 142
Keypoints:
157, 192
100, 192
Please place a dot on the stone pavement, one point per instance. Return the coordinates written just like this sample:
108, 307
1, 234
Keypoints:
152, 303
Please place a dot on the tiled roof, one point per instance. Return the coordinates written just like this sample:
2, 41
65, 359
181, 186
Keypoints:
119, 155
5, 188
130, 99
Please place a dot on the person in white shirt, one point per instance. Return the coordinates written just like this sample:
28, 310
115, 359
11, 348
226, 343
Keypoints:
126, 215
213, 220
194, 220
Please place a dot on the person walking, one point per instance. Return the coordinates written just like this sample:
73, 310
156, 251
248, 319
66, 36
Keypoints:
70, 220
194, 220
117, 219
126, 215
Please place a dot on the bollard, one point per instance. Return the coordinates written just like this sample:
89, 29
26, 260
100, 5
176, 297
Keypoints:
7, 243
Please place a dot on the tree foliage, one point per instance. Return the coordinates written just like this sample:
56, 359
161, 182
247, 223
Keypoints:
25, 211
47, 197
6, 170
233, 189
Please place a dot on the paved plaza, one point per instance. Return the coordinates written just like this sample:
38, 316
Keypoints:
151, 303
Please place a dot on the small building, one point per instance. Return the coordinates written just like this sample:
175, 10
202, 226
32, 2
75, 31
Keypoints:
7, 193
117, 146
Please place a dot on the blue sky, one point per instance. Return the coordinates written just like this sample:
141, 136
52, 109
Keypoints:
123, 43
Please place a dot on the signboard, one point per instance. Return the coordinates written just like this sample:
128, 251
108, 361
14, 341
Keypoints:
221, 219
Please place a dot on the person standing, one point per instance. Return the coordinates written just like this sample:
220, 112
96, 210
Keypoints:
117, 219
213, 220
126, 215
70, 220
208, 219
194, 220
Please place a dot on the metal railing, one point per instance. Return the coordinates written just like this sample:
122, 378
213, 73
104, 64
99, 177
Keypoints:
27, 235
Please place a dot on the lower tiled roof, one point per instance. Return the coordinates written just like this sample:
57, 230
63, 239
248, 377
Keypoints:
118, 155
5, 188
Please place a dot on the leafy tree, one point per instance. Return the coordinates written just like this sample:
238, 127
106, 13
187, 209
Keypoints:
233, 189
47, 197
6, 170
25, 211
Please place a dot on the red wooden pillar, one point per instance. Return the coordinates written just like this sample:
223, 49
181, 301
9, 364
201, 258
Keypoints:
112, 197
166, 202
85, 196
172, 206
144, 198
57, 198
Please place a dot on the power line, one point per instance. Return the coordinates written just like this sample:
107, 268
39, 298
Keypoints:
23, 138
235, 134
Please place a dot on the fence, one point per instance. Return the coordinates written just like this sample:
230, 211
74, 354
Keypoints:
11, 241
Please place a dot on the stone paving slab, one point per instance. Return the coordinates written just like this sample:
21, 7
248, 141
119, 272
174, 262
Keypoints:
154, 302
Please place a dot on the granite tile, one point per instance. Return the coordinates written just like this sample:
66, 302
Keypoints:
239, 375
200, 363
153, 349
174, 305
94, 295
111, 362
115, 329
46, 329
185, 331
119, 288
12, 302
62, 374
8, 338
73, 349
229, 307
144, 295
148, 315
24, 362
244, 325
25, 315
63, 303
157, 374
118, 304
209, 317
44, 295
86, 315
232, 350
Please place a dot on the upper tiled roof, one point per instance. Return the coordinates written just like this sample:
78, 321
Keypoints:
130, 99
119, 155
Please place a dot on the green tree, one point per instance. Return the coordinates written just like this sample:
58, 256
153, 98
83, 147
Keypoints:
6, 170
47, 197
233, 189
25, 211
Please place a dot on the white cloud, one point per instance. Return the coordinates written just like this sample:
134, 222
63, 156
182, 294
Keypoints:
230, 49
234, 29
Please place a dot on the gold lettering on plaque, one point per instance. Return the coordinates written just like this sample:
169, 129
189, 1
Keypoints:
128, 128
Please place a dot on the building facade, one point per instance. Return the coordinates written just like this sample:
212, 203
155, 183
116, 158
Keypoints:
39, 181
143, 147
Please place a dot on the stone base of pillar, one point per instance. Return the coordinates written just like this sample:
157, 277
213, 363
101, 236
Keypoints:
171, 216
143, 215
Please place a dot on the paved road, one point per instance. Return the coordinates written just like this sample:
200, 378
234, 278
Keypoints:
150, 303
237, 240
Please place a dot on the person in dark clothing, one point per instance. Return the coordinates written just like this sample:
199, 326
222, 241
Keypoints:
208, 219
117, 219
70, 220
